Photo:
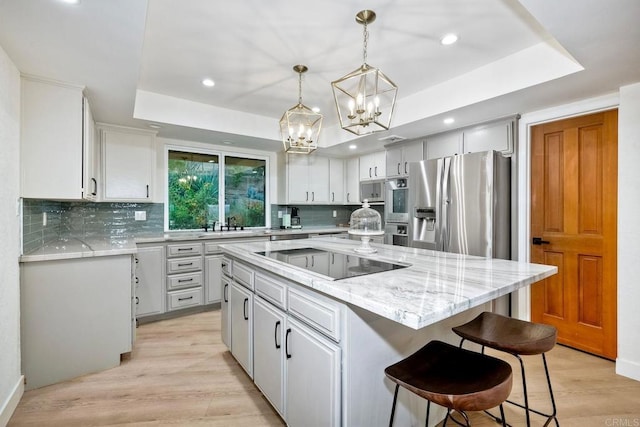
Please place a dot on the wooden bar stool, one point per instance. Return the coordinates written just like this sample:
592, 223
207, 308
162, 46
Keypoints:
458, 379
516, 337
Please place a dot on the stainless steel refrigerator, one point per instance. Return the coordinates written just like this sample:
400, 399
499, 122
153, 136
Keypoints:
461, 204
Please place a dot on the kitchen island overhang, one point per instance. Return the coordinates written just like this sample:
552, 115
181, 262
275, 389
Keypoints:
435, 286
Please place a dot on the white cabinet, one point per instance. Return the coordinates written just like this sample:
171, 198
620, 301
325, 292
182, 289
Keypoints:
241, 305
128, 159
212, 278
57, 142
443, 145
398, 158
353, 181
184, 275
311, 359
268, 366
150, 281
336, 181
307, 179
225, 310
373, 166
493, 136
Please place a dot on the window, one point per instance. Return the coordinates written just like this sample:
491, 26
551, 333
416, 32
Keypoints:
197, 195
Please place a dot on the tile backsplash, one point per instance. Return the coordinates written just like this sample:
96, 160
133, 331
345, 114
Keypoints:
319, 215
86, 220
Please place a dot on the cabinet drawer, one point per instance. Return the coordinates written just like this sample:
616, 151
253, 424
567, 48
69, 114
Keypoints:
188, 280
243, 275
213, 246
184, 249
321, 315
184, 298
271, 290
180, 265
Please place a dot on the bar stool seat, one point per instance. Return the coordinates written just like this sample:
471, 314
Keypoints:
452, 377
517, 337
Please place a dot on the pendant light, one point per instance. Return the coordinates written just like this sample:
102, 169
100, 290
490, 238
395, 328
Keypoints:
366, 97
299, 125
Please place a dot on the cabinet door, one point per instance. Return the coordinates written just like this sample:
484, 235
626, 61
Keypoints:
241, 302
212, 278
497, 137
89, 154
410, 153
268, 339
318, 179
127, 160
225, 311
379, 165
353, 181
444, 145
336, 181
297, 170
394, 162
150, 286
366, 167
51, 140
312, 379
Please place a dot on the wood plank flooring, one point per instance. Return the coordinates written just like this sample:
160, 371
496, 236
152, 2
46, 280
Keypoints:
181, 374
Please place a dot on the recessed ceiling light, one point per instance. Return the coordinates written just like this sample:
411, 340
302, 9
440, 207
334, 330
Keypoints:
154, 126
353, 147
208, 82
316, 109
448, 39
448, 120
71, 1
227, 142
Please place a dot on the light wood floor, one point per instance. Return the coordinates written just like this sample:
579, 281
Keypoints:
181, 374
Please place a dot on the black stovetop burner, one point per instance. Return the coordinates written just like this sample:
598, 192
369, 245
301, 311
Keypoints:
332, 264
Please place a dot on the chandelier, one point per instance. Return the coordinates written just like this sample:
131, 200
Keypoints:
299, 125
365, 98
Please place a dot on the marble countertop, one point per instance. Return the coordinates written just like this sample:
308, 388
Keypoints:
210, 235
77, 248
436, 286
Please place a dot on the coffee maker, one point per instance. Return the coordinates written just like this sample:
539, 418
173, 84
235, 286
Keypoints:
295, 219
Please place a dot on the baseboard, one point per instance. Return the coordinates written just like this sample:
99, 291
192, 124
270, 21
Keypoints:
628, 368
10, 405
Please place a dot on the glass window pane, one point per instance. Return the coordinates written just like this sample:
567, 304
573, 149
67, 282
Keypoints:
244, 191
193, 190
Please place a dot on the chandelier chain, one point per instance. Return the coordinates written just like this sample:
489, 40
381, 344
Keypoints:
365, 34
299, 88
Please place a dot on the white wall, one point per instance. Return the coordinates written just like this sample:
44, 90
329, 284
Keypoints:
11, 384
628, 362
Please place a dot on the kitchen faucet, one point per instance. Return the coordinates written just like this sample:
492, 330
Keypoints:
229, 222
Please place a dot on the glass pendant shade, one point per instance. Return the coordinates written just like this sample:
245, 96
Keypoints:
366, 97
299, 125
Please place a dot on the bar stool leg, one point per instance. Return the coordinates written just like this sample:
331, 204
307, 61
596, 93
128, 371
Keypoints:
553, 401
393, 407
426, 421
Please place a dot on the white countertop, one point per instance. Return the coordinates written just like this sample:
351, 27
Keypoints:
76, 248
436, 286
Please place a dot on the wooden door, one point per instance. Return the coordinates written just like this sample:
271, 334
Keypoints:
574, 214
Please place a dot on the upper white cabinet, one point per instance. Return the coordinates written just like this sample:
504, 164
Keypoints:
373, 166
497, 136
56, 142
128, 157
307, 179
398, 158
353, 181
443, 145
336, 181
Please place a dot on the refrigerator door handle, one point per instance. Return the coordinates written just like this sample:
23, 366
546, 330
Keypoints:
444, 206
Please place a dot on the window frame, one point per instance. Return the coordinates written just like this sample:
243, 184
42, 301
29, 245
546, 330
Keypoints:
222, 154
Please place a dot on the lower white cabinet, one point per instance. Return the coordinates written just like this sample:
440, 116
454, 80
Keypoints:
212, 278
150, 281
241, 305
268, 339
225, 311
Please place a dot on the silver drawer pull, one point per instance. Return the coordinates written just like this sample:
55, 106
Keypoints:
185, 298
185, 280
185, 249
184, 264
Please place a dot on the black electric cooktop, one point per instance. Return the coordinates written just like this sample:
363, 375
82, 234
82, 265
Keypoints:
333, 264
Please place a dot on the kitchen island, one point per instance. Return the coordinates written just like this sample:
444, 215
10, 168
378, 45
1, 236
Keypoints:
317, 347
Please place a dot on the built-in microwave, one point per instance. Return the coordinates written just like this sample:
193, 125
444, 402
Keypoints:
373, 191
396, 202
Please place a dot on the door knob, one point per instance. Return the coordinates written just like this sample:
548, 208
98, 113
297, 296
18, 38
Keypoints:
539, 241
